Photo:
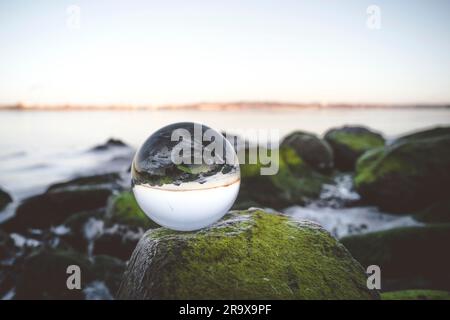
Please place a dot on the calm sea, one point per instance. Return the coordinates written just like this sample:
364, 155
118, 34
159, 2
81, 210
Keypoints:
39, 148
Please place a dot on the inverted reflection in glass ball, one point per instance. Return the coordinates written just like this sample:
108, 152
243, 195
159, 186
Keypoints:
185, 176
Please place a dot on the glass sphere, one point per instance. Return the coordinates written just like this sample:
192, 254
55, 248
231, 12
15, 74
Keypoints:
185, 176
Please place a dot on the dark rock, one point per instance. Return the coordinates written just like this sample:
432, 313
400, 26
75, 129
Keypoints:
43, 275
438, 212
5, 198
314, 151
118, 241
111, 143
53, 208
406, 176
6, 246
77, 237
409, 258
106, 181
110, 270
296, 182
350, 142
247, 255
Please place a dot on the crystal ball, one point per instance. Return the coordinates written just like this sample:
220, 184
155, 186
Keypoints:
185, 176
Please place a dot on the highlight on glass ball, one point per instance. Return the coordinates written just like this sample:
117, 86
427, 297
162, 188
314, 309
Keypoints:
185, 176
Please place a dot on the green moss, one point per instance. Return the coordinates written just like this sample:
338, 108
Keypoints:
406, 176
263, 256
416, 295
125, 210
294, 183
316, 152
358, 142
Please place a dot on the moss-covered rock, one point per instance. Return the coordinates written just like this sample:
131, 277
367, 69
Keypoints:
123, 209
409, 258
416, 295
406, 176
246, 255
296, 182
53, 208
424, 134
314, 151
350, 142
5, 198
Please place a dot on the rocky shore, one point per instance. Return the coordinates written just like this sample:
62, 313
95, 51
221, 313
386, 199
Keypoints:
94, 221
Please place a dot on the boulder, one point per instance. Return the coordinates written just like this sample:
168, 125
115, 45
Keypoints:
409, 258
438, 212
118, 241
5, 198
110, 143
296, 182
53, 208
314, 151
350, 142
408, 175
43, 275
102, 181
247, 255
81, 229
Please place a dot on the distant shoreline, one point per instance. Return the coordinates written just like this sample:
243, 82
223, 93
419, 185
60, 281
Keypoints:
232, 106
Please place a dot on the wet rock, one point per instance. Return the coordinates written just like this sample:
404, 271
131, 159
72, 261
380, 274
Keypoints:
314, 151
110, 143
118, 241
81, 229
6, 246
436, 213
5, 198
247, 255
350, 142
109, 270
43, 275
295, 182
407, 176
410, 258
103, 181
53, 208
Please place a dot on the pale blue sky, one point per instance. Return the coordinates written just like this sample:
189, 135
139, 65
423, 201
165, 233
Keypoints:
159, 52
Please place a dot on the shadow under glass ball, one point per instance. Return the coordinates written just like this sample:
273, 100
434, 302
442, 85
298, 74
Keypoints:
185, 176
